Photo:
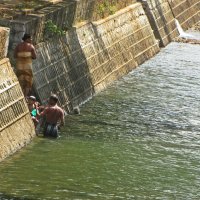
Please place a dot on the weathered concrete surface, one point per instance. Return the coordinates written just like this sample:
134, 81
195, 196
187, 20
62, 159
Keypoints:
187, 12
4, 41
64, 14
162, 15
94, 10
162, 20
16, 126
62, 69
93, 55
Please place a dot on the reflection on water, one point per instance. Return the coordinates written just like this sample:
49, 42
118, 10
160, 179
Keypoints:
139, 139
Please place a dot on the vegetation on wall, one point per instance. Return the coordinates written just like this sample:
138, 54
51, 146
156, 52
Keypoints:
10, 8
52, 29
29, 5
106, 6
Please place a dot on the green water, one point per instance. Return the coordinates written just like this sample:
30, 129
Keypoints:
139, 139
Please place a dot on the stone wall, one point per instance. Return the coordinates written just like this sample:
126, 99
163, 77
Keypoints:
16, 127
162, 15
187, 12
4, 37
92, 55
66, 14
62, 69
162, 20
117, 45
83, 20
94, 10
63, 14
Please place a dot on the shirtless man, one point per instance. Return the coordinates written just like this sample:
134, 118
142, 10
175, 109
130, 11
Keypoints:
53, 115
24, 54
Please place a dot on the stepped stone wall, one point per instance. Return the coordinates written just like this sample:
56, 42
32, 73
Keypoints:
92, 55
62, 69
63, 14
162, 15
162, 20
16, 127
94, 10
4, 37
123, 40
187, 12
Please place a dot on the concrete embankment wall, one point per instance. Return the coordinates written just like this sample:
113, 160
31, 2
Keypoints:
95, 53
16, 127
187, 12
92, 55
162, 15
162, 20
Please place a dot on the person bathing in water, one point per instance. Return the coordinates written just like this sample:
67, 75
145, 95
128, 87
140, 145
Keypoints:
53, 115
33, 106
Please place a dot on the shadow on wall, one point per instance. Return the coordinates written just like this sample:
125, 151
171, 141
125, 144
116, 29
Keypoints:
152, 21
81, 87
61, 68
165, 22
161, 20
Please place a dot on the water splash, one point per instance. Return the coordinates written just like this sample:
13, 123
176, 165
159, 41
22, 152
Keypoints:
182, 33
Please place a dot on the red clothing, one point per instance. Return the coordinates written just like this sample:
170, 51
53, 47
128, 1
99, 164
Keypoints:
53, 114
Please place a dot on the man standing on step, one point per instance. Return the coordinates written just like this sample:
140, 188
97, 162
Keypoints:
24, 54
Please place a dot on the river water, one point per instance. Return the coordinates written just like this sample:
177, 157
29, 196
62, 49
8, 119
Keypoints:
138, 139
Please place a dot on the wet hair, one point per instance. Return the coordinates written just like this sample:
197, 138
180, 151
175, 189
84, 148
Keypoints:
54, 98
26, 36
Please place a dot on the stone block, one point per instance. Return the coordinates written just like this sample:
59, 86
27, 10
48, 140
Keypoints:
4, 41
16, 126
161, 18
186, 12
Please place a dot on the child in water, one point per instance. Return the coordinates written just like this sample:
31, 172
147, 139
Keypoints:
33, 108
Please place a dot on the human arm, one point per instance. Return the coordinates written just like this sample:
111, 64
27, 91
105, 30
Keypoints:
33, 52
43, 113
62, 120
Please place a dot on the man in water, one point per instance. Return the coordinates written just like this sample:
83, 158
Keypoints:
53, 115
24, 54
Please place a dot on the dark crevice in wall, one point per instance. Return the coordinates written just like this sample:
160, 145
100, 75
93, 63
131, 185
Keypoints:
152, 22
79, 86
162, 15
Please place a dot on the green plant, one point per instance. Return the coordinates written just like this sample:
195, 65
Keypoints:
112, 10
106, 6
20, 6
101, 9
52, 29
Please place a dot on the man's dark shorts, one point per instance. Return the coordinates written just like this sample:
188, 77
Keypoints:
50, 130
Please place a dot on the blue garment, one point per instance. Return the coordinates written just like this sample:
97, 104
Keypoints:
50, 130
